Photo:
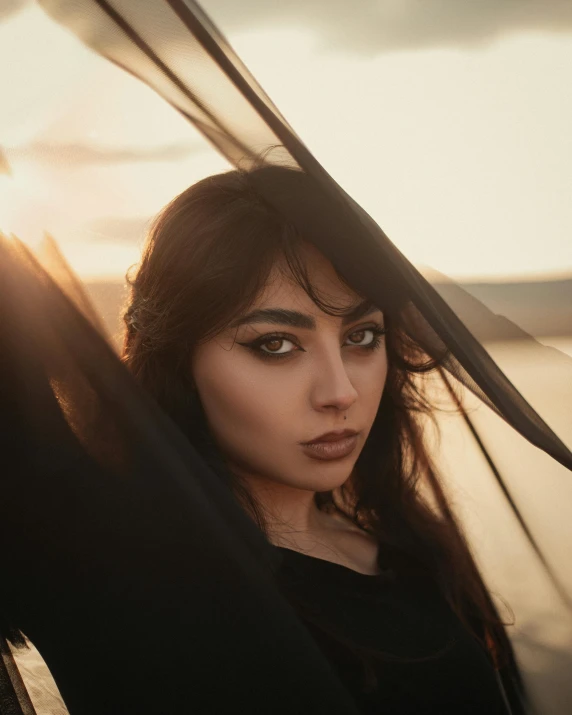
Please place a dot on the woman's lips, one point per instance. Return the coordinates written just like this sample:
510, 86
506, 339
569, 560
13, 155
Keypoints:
331, 450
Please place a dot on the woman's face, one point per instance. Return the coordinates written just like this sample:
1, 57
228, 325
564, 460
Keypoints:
274, 382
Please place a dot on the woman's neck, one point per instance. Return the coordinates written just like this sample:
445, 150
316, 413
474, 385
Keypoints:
287, 511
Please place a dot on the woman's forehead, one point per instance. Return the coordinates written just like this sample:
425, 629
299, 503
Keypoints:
282, 289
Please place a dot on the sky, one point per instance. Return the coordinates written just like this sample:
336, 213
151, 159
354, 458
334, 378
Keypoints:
448, 120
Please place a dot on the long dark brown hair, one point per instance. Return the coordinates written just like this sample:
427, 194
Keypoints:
207, 257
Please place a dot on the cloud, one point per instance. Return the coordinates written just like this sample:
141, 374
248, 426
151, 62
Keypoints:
75, 154
384, 25
10, 7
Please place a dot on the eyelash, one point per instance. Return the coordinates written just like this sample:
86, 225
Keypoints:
378, 333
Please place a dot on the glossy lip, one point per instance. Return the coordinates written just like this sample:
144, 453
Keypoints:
333, 436
326, 450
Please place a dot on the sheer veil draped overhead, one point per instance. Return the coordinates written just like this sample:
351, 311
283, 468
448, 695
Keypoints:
145, 549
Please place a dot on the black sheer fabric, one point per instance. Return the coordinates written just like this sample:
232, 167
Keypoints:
121, 545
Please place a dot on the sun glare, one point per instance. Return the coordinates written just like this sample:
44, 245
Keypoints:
22, 207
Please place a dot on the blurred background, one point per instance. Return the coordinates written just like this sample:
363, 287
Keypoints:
447, 120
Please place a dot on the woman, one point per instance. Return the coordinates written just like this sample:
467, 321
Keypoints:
305, 397
125, 560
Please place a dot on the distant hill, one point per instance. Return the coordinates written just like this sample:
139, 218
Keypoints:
539, 308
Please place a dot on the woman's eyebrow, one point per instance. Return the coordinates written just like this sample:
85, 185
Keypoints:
294, 319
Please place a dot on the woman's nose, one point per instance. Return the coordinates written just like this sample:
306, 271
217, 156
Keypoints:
332, 385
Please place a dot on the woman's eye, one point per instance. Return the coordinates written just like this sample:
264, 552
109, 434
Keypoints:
272, 346
367, 338
275, 346
362, 337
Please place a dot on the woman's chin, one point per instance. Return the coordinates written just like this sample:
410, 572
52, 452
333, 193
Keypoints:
323, 477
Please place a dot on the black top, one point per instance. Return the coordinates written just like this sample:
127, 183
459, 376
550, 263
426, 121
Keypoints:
433, 663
